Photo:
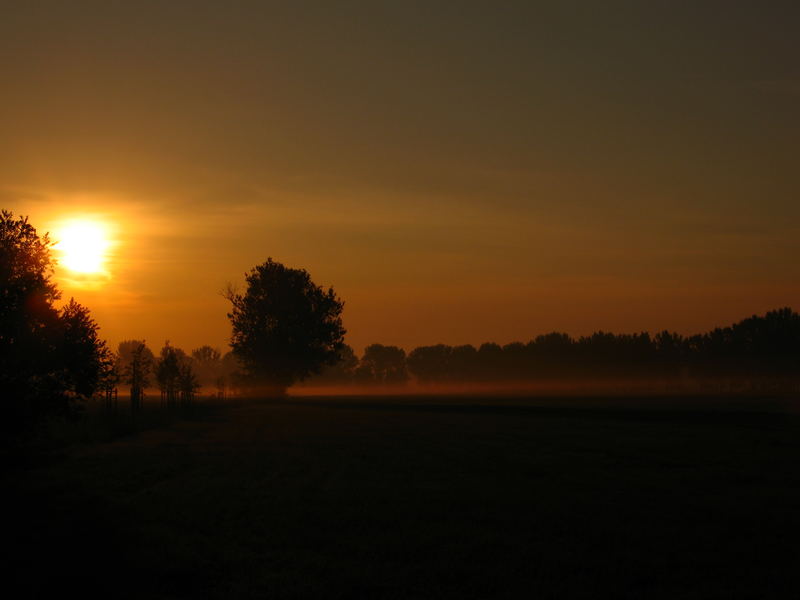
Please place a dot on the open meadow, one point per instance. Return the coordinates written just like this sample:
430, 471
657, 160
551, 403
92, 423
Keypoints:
420, 497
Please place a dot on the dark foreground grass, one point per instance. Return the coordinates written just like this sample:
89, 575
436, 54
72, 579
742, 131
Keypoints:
421, 498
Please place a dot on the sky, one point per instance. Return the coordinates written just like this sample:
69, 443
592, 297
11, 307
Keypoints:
459, 172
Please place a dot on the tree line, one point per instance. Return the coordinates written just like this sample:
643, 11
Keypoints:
177, 375
756, 351
286, 329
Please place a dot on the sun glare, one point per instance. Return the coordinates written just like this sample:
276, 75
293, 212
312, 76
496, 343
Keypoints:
83, 246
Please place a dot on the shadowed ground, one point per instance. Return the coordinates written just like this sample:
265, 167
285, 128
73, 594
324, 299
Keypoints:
423, 497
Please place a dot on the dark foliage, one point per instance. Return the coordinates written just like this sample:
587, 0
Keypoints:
382, 364
760, 351
285, 328
342, 372
207, 363
176, 377
85, 359
135, 362
49, 358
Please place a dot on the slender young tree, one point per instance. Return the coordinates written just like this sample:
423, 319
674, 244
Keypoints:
135, 363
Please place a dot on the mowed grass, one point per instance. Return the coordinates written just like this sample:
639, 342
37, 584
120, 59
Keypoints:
422, 498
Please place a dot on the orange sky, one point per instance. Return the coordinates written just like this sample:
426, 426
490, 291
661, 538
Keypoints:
487, 175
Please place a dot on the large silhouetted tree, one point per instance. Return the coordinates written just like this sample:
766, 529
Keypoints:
49, 357
285, 327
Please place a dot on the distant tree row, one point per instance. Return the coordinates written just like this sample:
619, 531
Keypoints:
178, 376
286, 330
759, 348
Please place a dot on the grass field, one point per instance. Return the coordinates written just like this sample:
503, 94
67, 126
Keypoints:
446, 497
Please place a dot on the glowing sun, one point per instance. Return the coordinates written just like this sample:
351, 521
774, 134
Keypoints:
83, 246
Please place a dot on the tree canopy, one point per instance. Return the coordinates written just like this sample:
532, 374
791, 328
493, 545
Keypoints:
135, 362
382, 364
285, 327
49, 357
175, 375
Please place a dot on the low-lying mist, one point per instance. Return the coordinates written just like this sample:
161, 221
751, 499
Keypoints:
563, 387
